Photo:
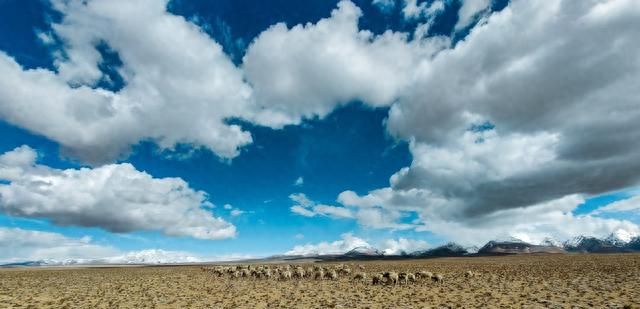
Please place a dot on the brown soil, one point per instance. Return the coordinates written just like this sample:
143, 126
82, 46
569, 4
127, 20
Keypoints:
534, 281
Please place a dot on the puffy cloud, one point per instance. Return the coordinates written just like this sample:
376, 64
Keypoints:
180, 87
20, 245
115, 197
532, 223
308, 70
470, 10
403, 245
514, 126
372, 216
347, 243
299, 181
151, 256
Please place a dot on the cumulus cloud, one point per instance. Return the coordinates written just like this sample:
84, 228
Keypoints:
320, 66
403, 246
347, 243
180, 87
115, 197
511, 129
470, 10
20, 245
299, 181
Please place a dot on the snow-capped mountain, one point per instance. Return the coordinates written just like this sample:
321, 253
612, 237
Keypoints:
153, 256
144, 257
551, 242
364, 251
449, 249
620, 237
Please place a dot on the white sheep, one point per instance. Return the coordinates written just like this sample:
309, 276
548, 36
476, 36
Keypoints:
391, 278
332, 275
361, 276
376, 279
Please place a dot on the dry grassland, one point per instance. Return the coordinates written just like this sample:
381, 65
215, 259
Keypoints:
558, 281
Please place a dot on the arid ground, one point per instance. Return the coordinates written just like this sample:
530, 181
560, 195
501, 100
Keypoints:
548, 281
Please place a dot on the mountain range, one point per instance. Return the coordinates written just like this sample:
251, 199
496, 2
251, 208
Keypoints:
614, 243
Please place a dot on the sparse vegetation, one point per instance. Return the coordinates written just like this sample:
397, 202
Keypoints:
525, 281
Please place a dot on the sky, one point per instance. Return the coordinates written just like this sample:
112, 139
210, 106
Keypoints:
210, 130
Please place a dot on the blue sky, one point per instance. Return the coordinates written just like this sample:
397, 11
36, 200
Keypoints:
252, 128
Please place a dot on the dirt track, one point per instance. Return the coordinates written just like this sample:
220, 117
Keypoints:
562, 281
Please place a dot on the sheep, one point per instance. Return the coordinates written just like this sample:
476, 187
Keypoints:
245, 273
376, 279
319, 275
411, 277
309, 272
358, 277
424, 275
299, 273
332, 275
285, 275
266, 273
438, 278
402, 278
345, 271
391, 278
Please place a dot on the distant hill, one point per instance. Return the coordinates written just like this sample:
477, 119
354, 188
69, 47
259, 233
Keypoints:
450, 249
517, 247
614, 243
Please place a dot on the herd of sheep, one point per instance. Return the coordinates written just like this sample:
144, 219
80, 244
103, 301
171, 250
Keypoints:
317, 272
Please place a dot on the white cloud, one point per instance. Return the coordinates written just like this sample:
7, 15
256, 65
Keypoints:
20, 245
299, 181
151, 256
180, 86
347, 243
305, 207
301, 199
560, 135
413, 10
320, 66
470, 10
236, 212
403, 245
384, 5
227, 206
115, 197
297, 209
298, 236
631, 204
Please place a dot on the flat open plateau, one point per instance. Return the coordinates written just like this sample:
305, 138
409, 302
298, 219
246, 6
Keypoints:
526, 281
